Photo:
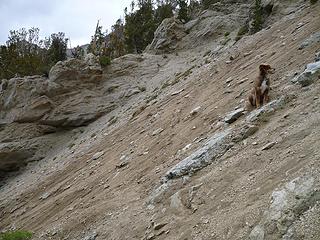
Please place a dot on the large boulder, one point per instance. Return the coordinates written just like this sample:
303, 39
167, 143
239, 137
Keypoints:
312, 39
34, 111
33, 108
309, 76
57, 99
13, 156
167, 35
287, 206
73, 72
25, 99
79, 110
215, 147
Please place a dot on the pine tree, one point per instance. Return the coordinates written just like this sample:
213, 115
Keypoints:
183, 13
58, 47
116, 44
24, 54
140, 26
257, 21
164, 10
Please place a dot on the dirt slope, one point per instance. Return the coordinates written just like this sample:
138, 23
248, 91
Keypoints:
73, 196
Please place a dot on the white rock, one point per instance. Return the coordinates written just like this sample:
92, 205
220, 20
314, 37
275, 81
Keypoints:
195, 111
97, 155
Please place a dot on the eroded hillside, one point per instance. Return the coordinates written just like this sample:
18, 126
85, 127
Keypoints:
142, 149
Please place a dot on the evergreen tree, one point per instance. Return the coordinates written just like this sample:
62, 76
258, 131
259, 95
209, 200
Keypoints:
206, 3
140, 26
258, 18
57, 48
77, 52
98, 41
24, 54
164, 10
116, 44
183, 13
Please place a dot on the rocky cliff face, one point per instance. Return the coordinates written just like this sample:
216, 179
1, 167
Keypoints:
160, 145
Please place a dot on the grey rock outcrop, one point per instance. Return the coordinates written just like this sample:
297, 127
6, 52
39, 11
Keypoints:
288, 204
167, 35
210, 24
74, 71
309, 76
216, 146
266, 109
40, 112
32, 106
313, 39
23, 96
317, 58
13, 156
56, 101
234, 115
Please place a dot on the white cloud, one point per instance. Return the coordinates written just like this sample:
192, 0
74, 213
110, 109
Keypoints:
76, 18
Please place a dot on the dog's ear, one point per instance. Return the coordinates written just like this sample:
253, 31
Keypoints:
268, 67
262, 67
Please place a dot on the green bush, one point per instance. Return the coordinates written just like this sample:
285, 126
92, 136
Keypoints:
242, 31
257, 19
313, 1
16, 235
104, 61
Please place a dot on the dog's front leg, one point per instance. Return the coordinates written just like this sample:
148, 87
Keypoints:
258, 97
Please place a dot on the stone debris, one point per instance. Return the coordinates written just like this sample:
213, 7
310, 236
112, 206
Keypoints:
268, 146
91, 236
157, 131
160, 225
195, 111
177, 92
233, 116
97, 155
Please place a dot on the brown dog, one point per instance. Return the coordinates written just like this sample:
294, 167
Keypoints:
259, 94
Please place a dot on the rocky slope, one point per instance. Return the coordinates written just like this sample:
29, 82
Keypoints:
160, 146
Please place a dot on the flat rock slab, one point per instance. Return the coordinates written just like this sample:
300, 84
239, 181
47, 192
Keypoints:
157, 131
233, 116
309, 76
13, 156
313, 39
268, 108
268, 146
212, 150
287, 205
97, 155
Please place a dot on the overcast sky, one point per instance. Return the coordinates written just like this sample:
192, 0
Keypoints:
76, 18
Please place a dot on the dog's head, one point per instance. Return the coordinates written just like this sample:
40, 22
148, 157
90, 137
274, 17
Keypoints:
266, 69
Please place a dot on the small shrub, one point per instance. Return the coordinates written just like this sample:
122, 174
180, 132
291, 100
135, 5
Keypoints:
16, 235
313, 1
142, 88
257, 19
226, 34
104, 61
242, 31
112, 120
111, 89
225, 41
237, 38
71, 145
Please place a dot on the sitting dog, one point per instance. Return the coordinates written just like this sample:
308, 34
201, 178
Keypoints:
259, 94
